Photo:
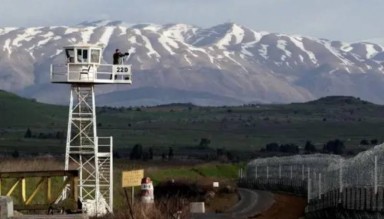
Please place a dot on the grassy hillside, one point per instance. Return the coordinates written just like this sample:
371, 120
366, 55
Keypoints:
183, 125
18, 112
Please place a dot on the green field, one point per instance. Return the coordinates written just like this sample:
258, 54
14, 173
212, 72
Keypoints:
183, 126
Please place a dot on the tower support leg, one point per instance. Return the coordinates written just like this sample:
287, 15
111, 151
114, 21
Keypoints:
82, 152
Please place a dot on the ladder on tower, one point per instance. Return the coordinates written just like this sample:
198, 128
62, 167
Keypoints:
105, 161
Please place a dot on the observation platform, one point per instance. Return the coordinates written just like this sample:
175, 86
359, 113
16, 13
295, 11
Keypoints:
83, 65
72, 73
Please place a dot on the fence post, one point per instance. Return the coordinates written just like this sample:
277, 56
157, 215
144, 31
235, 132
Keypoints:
267, 172
256, 173
279, 171
291, 171
302, 172
347, 197
341, 176
241, 173
309, 184
375, 175
319, 185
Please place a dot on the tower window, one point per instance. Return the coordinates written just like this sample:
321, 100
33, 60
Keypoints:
95, 55
70, 55
82, 55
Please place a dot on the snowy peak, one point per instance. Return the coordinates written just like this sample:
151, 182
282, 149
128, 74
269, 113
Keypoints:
233, 36
227, 59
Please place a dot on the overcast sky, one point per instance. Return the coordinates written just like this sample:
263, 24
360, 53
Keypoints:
348, 20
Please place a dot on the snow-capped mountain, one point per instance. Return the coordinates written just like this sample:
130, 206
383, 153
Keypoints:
224, 64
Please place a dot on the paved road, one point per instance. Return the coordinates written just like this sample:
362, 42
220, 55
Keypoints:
251, 203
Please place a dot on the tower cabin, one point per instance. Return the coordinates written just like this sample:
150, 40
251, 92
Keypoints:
83, 65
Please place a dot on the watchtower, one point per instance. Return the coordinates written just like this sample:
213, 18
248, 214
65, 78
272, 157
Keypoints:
92, 155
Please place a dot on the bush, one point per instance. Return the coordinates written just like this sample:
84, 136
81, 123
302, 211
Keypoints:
309, 147
335, 146
137, 152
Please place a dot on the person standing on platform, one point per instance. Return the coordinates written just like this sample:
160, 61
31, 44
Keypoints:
117, 55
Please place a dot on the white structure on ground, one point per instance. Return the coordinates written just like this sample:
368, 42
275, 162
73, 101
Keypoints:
91, 154
6, 207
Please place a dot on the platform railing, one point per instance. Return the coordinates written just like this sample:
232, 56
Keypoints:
90, 73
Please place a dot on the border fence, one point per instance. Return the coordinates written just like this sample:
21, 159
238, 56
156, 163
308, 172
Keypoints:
335, 187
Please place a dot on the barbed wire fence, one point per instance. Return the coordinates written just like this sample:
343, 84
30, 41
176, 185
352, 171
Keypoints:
326, 180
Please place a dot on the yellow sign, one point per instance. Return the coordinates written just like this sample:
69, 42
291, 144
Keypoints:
132, 178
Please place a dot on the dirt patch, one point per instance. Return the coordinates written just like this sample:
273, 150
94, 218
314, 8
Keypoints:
285, 207
221, 202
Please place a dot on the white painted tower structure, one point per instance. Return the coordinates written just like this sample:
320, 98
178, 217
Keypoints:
85, 150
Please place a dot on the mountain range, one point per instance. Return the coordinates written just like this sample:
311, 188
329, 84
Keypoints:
227, 64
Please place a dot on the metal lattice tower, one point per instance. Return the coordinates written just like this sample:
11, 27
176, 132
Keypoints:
85, 150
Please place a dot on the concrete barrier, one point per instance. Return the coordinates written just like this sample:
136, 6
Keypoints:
6, 207
197, 207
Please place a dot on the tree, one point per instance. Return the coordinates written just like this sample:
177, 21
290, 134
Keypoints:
28, 133
374, 142
309, 147
170, 153
335, 146
289, 148
150, 152
272, 147
364, 142
204, 143
15, 154
220, 152
163, 156
230, 155
137, 152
